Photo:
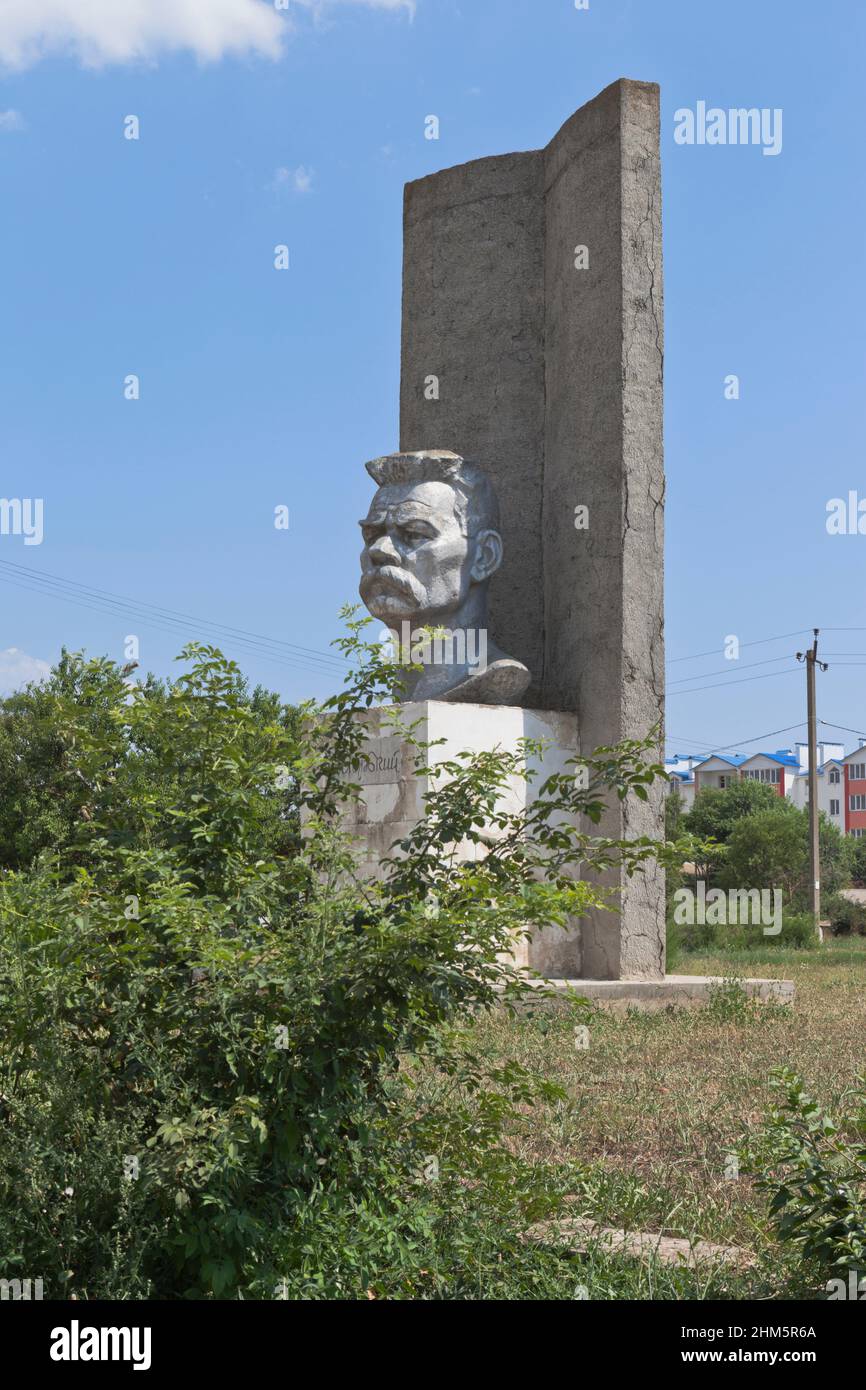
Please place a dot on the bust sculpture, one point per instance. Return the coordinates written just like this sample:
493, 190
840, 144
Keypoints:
431, 545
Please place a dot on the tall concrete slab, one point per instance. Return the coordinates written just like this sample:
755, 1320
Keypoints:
543, 363
473, 319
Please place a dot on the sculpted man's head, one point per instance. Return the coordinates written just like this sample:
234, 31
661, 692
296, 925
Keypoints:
431, 544
431, 534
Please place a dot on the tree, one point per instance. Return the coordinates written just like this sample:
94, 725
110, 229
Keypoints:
716, 812
673, 815
770, 849
767, 850
857, 862
74, 750
43, 795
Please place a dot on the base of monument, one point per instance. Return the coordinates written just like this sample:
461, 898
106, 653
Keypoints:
672, 992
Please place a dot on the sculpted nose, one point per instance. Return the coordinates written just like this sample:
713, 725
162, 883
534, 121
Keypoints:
383, 552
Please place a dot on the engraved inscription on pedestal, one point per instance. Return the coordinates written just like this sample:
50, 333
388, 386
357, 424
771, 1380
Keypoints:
397, 777
382, 762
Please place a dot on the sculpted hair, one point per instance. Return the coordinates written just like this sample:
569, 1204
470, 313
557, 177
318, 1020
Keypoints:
477, 504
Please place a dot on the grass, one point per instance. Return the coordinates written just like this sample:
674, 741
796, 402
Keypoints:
658, 1102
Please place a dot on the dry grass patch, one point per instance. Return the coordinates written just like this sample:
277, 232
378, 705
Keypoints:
658, 1102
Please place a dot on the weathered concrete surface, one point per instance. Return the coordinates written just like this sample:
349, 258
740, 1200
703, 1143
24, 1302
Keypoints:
397, 776
550, 377
581, 1235
603, 449
673, 991
473, 316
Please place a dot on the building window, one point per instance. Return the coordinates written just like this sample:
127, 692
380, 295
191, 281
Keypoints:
857, 803
857, 834
858, 772
834, 808
764, 774
834, 775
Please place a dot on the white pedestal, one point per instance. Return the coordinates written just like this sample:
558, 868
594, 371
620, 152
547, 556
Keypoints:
391, 801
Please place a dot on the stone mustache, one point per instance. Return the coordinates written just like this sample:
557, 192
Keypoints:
431, 546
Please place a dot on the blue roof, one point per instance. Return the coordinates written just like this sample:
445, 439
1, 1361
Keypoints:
828, 762
733, 758
781, 755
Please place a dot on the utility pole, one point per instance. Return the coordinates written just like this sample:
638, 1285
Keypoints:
811, 659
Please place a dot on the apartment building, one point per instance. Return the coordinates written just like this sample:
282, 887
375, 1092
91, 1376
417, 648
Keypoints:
854, 784
777, 770
841, 778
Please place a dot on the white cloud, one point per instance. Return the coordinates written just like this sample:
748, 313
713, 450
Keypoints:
299, 180
11, 120
17, 668
98, 32
408, 5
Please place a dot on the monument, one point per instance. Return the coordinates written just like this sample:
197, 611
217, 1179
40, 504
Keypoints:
526, 499
431, 547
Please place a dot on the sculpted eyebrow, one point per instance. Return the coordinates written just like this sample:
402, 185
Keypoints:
411, 517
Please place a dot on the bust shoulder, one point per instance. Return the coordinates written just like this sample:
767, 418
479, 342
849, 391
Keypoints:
501, 683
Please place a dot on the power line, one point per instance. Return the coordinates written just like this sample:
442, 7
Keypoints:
760, 642
752, 665
772, 733
170, 625
719, 685
684, 742
44, 576
844, 727
102, 600
744, 742
723, 671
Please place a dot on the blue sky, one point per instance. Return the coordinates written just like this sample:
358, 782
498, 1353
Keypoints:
261, 388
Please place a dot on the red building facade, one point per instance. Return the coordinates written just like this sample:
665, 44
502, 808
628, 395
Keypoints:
855, 793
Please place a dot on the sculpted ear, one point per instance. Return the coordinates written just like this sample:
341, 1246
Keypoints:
488, 555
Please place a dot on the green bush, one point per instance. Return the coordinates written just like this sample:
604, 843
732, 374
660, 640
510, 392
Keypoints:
814, 1167
208, 1022
857, 854
798, 933
846, 918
